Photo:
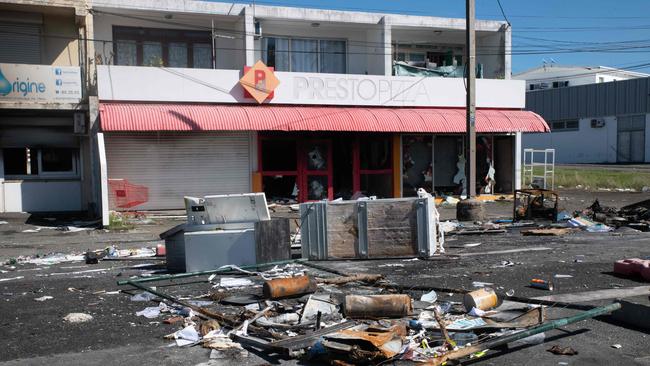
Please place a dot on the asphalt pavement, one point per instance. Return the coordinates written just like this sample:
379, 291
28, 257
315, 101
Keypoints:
34, 332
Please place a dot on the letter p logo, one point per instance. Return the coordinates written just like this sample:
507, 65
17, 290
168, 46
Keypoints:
260, 80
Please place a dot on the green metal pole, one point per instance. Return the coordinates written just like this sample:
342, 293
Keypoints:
464, 352
201, 273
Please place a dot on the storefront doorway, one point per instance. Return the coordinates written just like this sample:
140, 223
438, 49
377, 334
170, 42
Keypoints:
310, 167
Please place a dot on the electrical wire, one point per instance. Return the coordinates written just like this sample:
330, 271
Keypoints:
504, 13
605, 49
350, 42
428, 13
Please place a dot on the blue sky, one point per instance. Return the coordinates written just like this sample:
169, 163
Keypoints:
563, 29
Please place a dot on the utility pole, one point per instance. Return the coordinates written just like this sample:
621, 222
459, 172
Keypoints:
470, 209
470, 147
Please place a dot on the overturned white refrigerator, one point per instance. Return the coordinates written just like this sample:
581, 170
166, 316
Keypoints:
224, 230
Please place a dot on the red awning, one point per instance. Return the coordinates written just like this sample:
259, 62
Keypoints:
236, 117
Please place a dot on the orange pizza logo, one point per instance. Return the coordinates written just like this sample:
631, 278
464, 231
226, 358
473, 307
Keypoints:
259, 82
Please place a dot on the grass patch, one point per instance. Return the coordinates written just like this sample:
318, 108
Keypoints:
118, 222
600, 178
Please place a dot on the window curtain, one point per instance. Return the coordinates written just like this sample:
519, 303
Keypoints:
152, 54
125, 53
177, 54
304, 55
202, 56
332, 57
275, 53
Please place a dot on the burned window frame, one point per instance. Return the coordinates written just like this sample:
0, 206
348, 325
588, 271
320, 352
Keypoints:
35, 161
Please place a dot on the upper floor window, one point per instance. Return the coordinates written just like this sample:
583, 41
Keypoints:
426, 58
538, 86
560, 84
568, 125
305, 55
20, 42
162, 47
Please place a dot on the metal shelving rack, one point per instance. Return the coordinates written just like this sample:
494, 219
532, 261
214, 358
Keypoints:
547, 165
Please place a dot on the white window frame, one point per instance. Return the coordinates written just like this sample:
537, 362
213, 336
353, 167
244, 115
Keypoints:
318, 60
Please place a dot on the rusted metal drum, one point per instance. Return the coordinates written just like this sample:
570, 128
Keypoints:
288, 287
377, 306
483, 299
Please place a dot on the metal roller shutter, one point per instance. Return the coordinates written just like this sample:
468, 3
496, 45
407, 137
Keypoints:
20, 43
175, 165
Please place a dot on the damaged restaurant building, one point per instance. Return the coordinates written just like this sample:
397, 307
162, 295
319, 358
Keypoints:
204, 98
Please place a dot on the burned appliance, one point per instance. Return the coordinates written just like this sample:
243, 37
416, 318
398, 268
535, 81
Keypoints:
226, 229
535, 204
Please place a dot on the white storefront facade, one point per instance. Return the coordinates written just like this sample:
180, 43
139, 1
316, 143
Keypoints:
177, 121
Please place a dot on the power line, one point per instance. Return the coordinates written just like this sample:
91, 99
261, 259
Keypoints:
427, 13
503, 13
350, 42
488, 52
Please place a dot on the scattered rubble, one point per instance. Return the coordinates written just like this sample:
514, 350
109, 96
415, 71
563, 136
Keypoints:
78, 318
559, 350
304, 310
344, 318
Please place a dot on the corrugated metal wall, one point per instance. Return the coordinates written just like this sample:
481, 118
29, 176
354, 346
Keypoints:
20, 43
591, 101
173, 165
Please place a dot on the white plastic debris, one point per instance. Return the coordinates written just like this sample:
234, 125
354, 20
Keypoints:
481, 284
230, 282
316, 304
143, 296
429, 297
391, 265
253, 307
563, 276
74, 229
186, 336
448, 226
149, 312
287, 318
617, 346
152, 312
476, 312
53, 259
200, 303
78, 318
43, 298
